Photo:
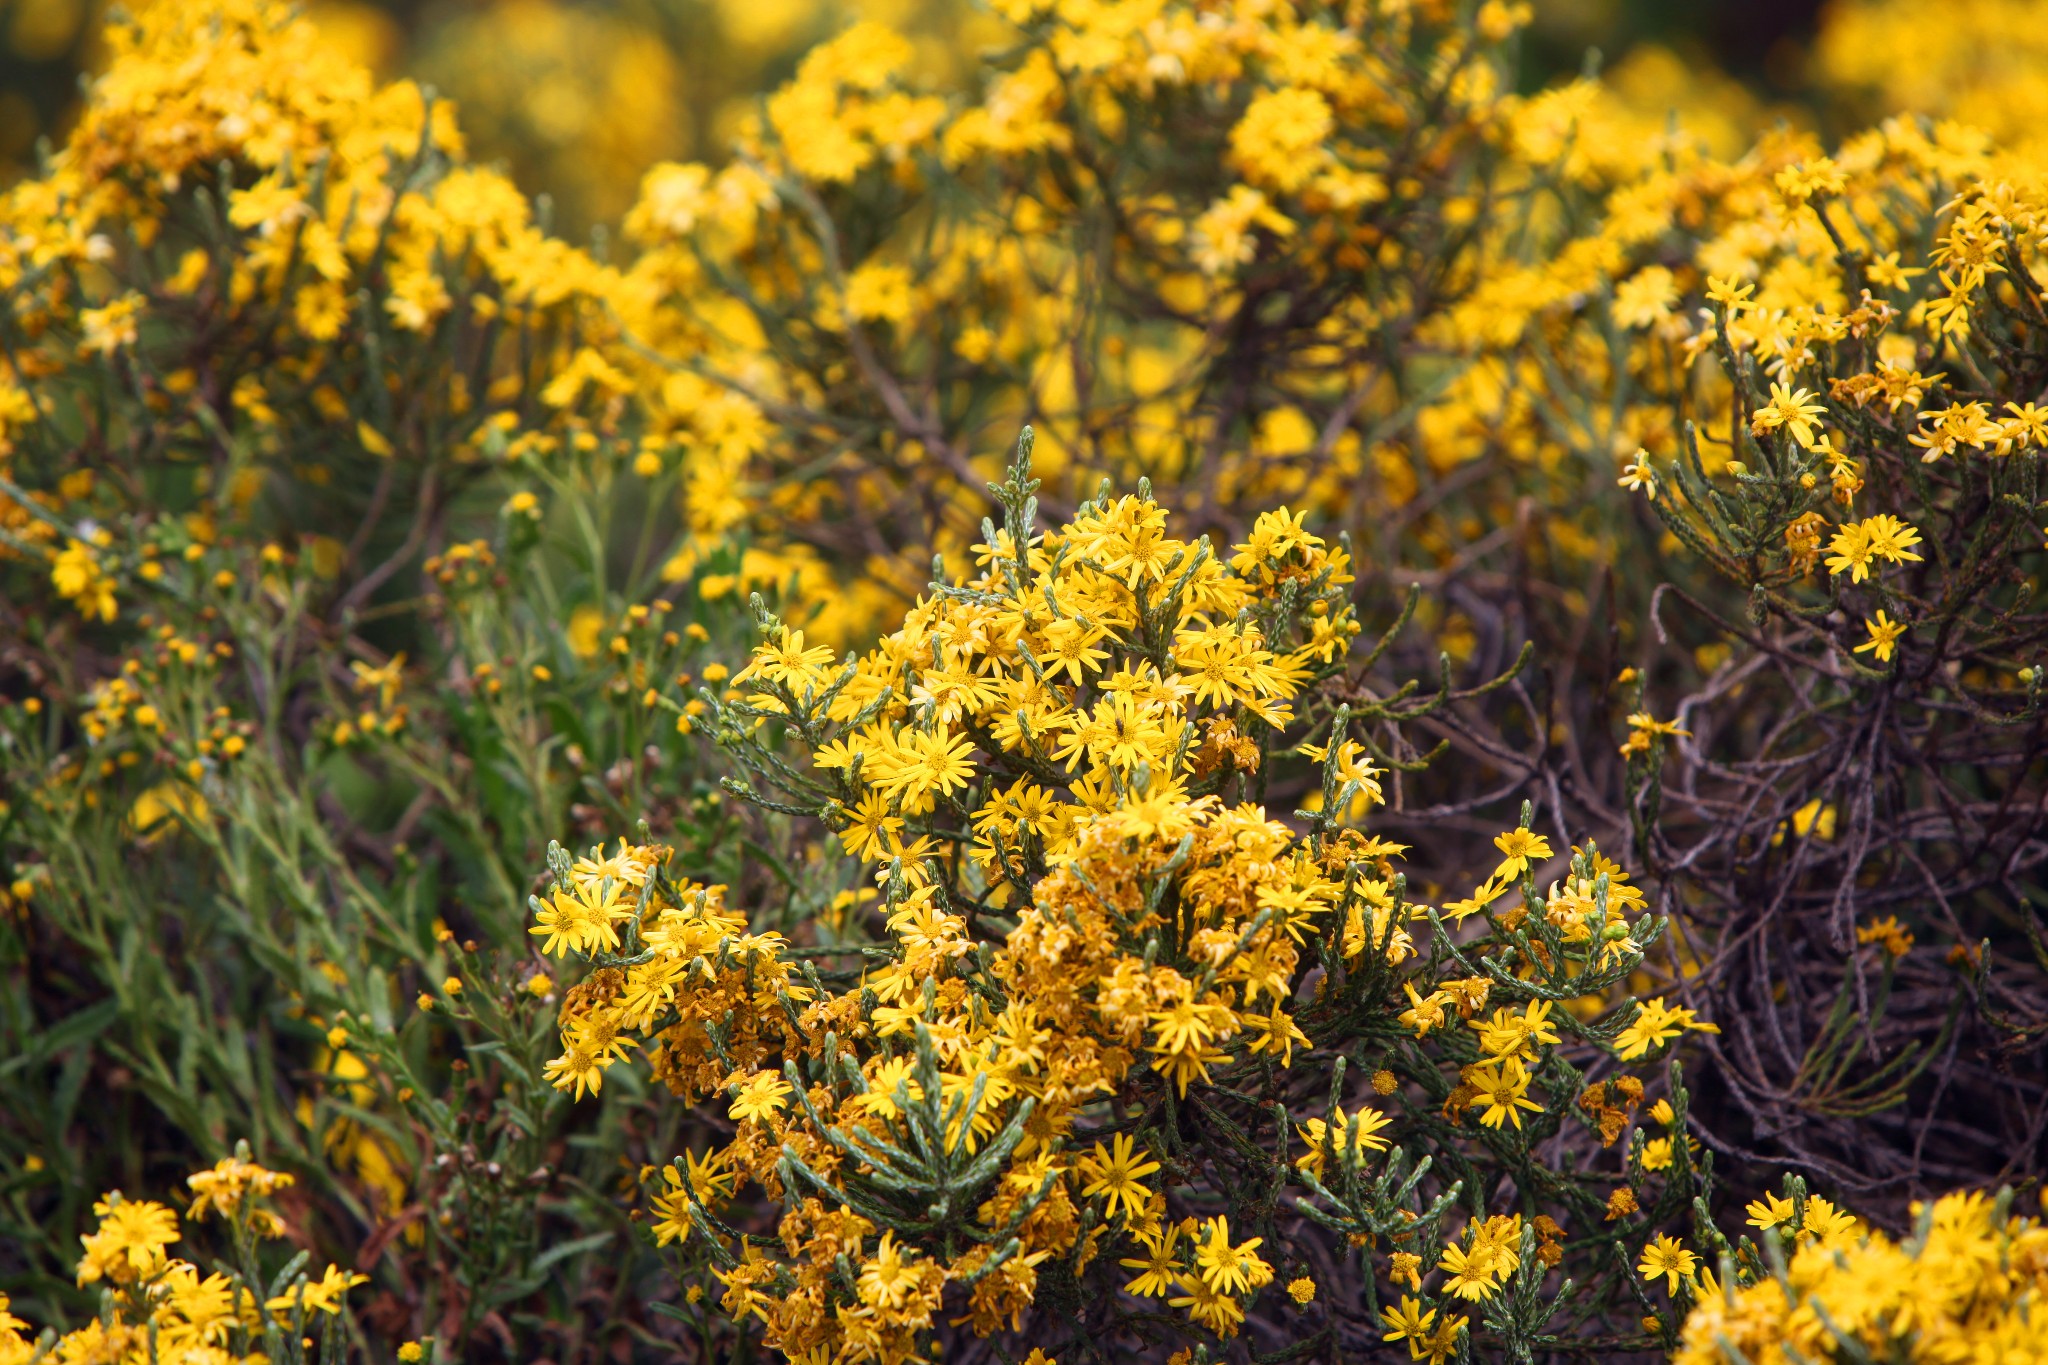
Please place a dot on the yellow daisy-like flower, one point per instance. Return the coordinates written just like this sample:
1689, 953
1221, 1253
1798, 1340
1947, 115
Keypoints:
762, 1097
1519, 848
1667, 1257
1884, 636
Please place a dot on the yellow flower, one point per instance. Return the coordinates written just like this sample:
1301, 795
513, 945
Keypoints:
1519, 848
786, 661
1637, 476
1115, 1174
1491, 1253
930, 765
671, 1207
1644, 298
1503, 1087
1880, 537
373, 440
1793, 409
1888, 932
1159, 1268
1349, 1138
1219, 1312
111, 328
323, 1295
1645, 731
1730, 293
761, 1097
584, 918
129, 1242
1971, 1282
1770, 1211
1509, 1033
1884, 635
1223, 235
1482, 896
1654, 1025
76, 574
1228, 1269
1279, 139
1831, 1227
879, 293
890, 1276
1667, 1257
1802, 182
1409, 1322
1422, 1015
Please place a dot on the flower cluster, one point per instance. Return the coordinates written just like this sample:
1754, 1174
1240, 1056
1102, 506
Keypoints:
1871, 396
1191, 241
1108, 1021
272, 280
157, 1305
1966, 1286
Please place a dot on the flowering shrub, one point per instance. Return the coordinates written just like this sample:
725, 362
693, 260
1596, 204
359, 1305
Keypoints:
1844, 350
1102, 961
1219, 246
581, 98
312, 634
158, 1306
1104, 930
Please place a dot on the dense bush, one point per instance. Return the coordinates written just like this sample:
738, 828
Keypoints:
1097, 947
1059, 911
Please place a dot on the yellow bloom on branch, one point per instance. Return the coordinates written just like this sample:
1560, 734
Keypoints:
1857, 544
1519, 848
1668, 1259
1656, 1024
1793, 409
1884, 636
1227, 1268
1114, 1173
1503, 1090
761, 1097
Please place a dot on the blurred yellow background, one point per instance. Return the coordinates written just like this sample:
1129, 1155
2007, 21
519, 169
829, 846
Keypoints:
577, 98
